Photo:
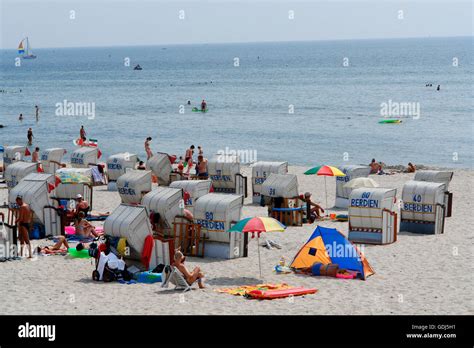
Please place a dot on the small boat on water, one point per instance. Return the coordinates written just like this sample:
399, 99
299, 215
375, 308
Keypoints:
138, 67
25, 49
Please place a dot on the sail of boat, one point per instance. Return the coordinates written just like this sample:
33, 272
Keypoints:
27, 54
21, 49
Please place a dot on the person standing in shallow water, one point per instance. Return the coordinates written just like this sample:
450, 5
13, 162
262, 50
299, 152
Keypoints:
37, 113
29, 135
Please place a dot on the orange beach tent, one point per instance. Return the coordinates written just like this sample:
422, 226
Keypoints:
328, 245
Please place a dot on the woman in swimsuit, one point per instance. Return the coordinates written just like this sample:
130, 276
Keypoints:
83, 227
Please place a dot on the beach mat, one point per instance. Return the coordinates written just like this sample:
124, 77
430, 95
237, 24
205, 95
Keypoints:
243, 290
281, 293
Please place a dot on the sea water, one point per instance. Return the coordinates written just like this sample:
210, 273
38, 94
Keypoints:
305, 102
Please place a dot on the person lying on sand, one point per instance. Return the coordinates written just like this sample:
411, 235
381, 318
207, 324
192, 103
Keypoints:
190, 277
83, 227
61, 241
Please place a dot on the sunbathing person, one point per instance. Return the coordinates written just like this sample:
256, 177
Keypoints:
374, 167
313, 210
83, 227
46, 249
411, 168
81, 206
190, 277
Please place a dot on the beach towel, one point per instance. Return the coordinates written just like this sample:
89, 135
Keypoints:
74, 238
243, 290
97, 176
147, 250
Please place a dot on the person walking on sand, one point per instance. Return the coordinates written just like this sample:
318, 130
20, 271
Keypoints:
23, 222
82, 134
149, 153
30, 136
37, 113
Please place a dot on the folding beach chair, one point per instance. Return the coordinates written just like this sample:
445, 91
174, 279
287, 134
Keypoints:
177, 279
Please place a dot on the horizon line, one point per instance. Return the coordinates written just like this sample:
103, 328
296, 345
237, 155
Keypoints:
253, 42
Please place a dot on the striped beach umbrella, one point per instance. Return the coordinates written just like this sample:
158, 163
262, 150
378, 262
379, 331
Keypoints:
324, 170
257, 225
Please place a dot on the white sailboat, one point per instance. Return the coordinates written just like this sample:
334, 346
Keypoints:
25, 49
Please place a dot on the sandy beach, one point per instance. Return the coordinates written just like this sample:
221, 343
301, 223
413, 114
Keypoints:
419, 274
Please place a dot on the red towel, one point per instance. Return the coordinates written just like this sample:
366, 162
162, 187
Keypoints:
147, 249
27, 152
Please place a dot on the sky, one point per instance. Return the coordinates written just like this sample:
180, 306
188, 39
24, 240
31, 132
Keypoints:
51, 23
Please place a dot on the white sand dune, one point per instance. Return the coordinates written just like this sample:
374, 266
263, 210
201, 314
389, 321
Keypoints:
416, 275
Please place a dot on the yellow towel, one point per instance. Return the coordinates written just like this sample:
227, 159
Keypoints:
242, 290
122, 246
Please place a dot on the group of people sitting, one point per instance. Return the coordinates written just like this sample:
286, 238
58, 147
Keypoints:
378, 168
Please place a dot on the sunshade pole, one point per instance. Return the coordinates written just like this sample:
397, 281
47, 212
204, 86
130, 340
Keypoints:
326, 194
258, 248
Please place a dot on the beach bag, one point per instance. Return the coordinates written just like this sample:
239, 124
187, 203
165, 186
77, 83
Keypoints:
159, 268
329, 270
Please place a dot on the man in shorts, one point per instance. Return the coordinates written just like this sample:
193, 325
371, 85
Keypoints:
23, 221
